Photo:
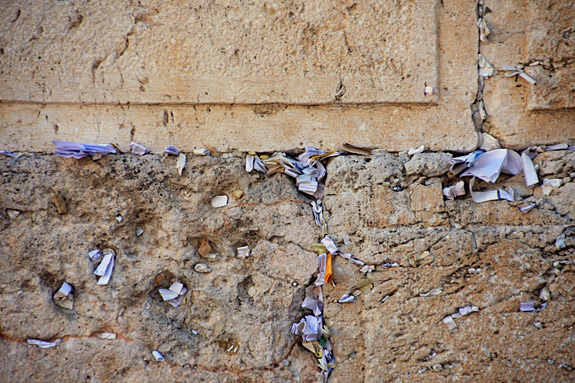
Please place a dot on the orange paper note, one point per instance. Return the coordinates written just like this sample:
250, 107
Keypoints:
328, 269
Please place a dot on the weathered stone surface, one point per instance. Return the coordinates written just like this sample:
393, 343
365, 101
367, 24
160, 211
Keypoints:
247, 77
490, 255
539, 33
430, 164
251, 301
221, 52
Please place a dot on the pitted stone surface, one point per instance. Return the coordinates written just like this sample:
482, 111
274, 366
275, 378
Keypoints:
490, 255
252, 301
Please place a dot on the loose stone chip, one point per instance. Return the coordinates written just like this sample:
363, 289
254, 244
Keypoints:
60, 203
204, 248
450, 323
238, 193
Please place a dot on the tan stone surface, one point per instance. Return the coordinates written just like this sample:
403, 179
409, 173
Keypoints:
490, 255
168, 63
528, 32
252, 302
219, 52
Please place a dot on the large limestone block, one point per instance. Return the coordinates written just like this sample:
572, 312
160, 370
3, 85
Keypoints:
264, 75
220, 52
490, 255
251, 301
540, 36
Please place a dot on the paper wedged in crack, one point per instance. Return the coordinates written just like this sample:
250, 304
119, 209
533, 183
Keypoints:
76, 150
172, 150
181, 163
175, 294
105, 268
44, 344
138, 149
219, 201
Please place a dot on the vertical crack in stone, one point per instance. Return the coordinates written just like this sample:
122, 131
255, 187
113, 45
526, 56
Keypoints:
477, 104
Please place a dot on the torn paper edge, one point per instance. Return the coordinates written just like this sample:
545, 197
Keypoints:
529, 170
346, 298
105, 269
107, 336
181, 163
63, 292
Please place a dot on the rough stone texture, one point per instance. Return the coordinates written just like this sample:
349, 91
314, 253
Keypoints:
490, 255
270, 76
260, 76
251, 302
528, 32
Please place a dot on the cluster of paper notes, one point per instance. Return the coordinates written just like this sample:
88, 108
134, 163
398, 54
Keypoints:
106, 266
311, 328
308, 169
489, 165
174, 294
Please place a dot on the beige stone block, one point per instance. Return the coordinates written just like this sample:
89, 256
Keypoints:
526, 32
261, 76
222, 52
427, 204
390, 208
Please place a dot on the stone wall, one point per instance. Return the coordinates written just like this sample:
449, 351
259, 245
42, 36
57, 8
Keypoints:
383, 208
279, 76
